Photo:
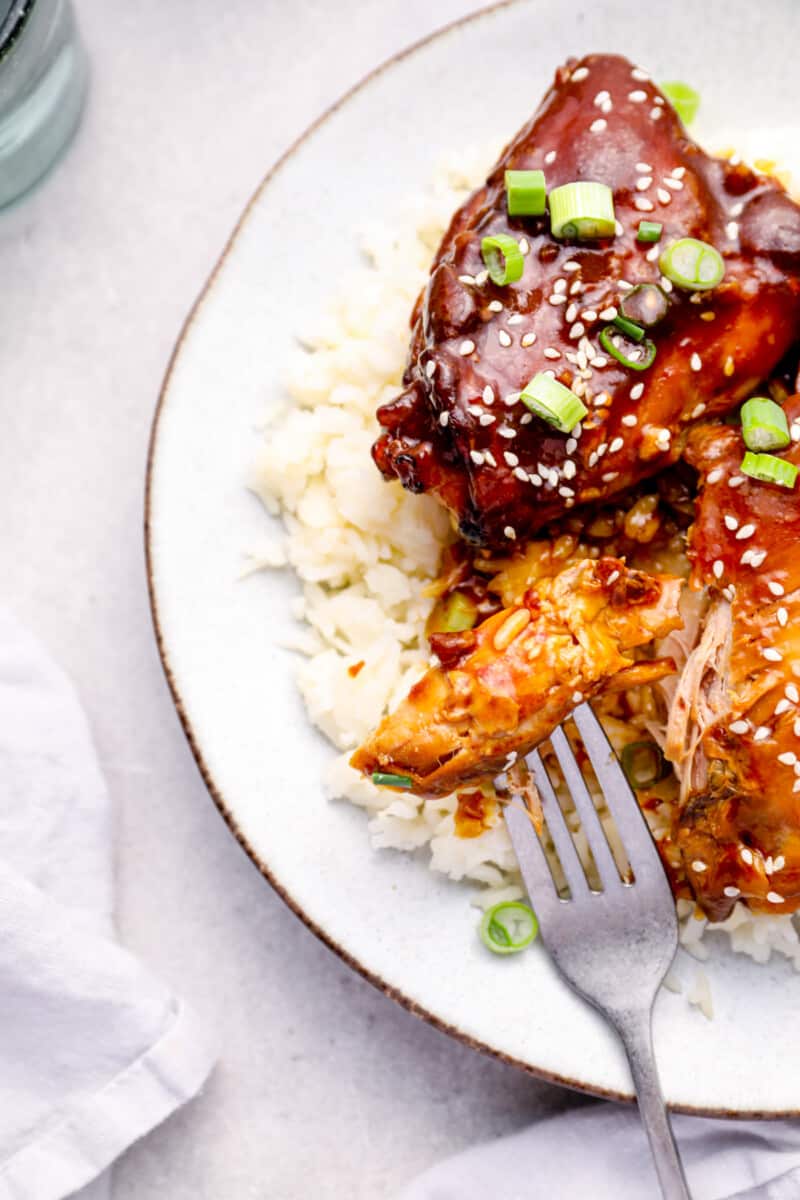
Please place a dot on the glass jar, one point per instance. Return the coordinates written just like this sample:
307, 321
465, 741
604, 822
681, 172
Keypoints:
43, 78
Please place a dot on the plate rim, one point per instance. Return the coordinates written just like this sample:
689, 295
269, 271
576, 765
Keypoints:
268, 873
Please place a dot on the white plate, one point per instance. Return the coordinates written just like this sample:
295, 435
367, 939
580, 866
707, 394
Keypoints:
410, 931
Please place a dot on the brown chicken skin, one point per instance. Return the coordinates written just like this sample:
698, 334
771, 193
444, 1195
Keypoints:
734, 728
458, 430
501, 688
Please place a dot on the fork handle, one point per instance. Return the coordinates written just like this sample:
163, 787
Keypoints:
638, 1041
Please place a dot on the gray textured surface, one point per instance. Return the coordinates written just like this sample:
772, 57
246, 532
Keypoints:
325, 1087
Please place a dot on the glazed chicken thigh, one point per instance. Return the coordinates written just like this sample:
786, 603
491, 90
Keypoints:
459, 429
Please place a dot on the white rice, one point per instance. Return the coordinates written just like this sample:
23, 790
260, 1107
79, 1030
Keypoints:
365, 550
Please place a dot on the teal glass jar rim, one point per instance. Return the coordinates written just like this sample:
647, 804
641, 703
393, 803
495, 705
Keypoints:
13, 24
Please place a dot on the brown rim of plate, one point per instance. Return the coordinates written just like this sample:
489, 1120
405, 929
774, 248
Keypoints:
388, 989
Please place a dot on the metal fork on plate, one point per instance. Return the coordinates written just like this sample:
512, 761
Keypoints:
613, 946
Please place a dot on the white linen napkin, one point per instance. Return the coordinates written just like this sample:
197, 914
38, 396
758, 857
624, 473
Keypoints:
94, 1051
600, 1151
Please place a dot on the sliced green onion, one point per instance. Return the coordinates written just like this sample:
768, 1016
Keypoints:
649, 231
526, 193
631, 329
692, 265
508, 927
502, 258
639, 358
769, 469
553, 402
459, 612
764, 425
582, 210
684, 99
646, 304
382, 779
644, 764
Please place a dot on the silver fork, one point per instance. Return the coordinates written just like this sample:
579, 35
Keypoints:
613, 947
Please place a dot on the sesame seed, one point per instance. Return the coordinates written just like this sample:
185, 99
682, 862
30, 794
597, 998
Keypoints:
771, 654
697, 411
466, 347
599, 125
714, 475
444, 418
678, 172
576, 288
524, 246
729, 366
779, 863
745, 532
504, 338
469, 279
788, 758
476, 457
558, 298
757, 557
507, 432
782, 616
794, 431
601, 449
616, 445
592, 460
527, 339
699, 866
569, 469
653, 253
608, 314
666, 284
550, 157
577, 330
781, 707
521, 474
495, 306
430, 369
599, 362
571, 313
600, 98
739, 727
644, 168
516, 319
623, 284
674, 185
579, 74
474, 410
655, 113
571, 265
511, 459
486, 419
526, 419
481, 278
606, 106
644, 183
510, 532
792, 693
565, 491
571, 445
732, 230
638, 73
642, 204
762, 733
663, 196
630, 420
589, 315
613, 577
488, 395
731, 522
746, 855
775, 897
718, 568
731, 891
551, 352
696, 362
736, 481
490, 458
636, 391
637, 97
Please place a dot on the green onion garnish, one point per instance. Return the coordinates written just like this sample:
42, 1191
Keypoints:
644, 764
684, 99
582, 210
508, 927
692, 265
502, 258
553, 402
459, 612
649, 231
630, 328
646, 304
526, 193
769, 469
638, 358
764, 425
382, 779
